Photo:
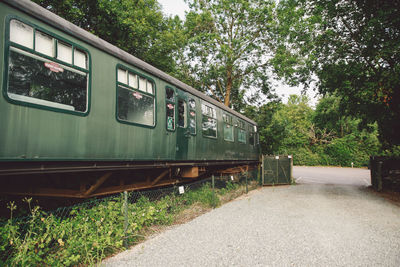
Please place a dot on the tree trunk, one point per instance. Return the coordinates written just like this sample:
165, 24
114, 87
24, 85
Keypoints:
228, 86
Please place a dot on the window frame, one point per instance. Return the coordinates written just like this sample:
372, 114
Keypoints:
253, 133
208, 117
120, 84
167, 101
241, 125
190, 109
185, 114
231, 124
8, 44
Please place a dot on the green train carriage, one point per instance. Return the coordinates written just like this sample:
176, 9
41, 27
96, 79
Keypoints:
73, 103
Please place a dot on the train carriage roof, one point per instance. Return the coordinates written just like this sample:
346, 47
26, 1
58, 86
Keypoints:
70, 28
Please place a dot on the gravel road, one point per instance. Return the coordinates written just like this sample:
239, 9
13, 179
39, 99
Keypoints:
332, 175
300, 225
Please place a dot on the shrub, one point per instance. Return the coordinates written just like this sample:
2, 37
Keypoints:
91, 231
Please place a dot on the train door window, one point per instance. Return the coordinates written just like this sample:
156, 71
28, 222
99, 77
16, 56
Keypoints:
251, 135
182, 114
257, 137
134, 106
228, 128
39, 75
241, 132
170, 108
192, 116
209, 121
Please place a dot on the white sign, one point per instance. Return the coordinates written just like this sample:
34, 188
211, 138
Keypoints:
289, 157
276, 157
181, 190
232, 177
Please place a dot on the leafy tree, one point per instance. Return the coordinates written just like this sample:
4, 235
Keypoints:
323, 136
269, 136
138, 26
352, 47
330, 116
227, 47
295, 120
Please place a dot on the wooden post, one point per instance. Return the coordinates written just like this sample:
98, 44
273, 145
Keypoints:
262, 170
291, 169
213, 189
379, 175
247, 187
277, 170
125, 219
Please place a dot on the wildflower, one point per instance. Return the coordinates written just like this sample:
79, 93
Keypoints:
61, 242
42, 219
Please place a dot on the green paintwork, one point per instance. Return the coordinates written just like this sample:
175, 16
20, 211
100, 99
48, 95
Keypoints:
34, 133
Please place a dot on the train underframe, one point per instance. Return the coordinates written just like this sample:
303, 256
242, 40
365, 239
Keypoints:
89, 179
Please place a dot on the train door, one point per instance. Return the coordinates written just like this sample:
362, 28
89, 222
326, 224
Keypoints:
182, 131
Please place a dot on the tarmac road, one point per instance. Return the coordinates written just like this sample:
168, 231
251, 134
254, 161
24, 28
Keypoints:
330, 222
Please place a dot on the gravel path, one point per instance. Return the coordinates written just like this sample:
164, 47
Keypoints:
301, 225
332, 175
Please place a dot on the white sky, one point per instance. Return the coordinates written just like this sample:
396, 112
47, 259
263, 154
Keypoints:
178, 7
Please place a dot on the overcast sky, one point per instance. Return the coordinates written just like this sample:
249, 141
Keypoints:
178, 7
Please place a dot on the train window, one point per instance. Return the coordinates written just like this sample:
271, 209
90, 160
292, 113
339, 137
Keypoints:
122, 76
149, 87
192, 104
39, 78
242, 136
80, 59
133, 80
241, 132
44, 44
170, 108
21, 33
257, 137
170, 94
192, 116
170, 117
134, 106
142, 84
209, 121
228, 128
251, 135
64, 52
251, 139
182, 117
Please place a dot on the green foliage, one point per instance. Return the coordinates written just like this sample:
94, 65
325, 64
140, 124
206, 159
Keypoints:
324, 136
93, 230
85, 237
227, 47
352, 47
204, 195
